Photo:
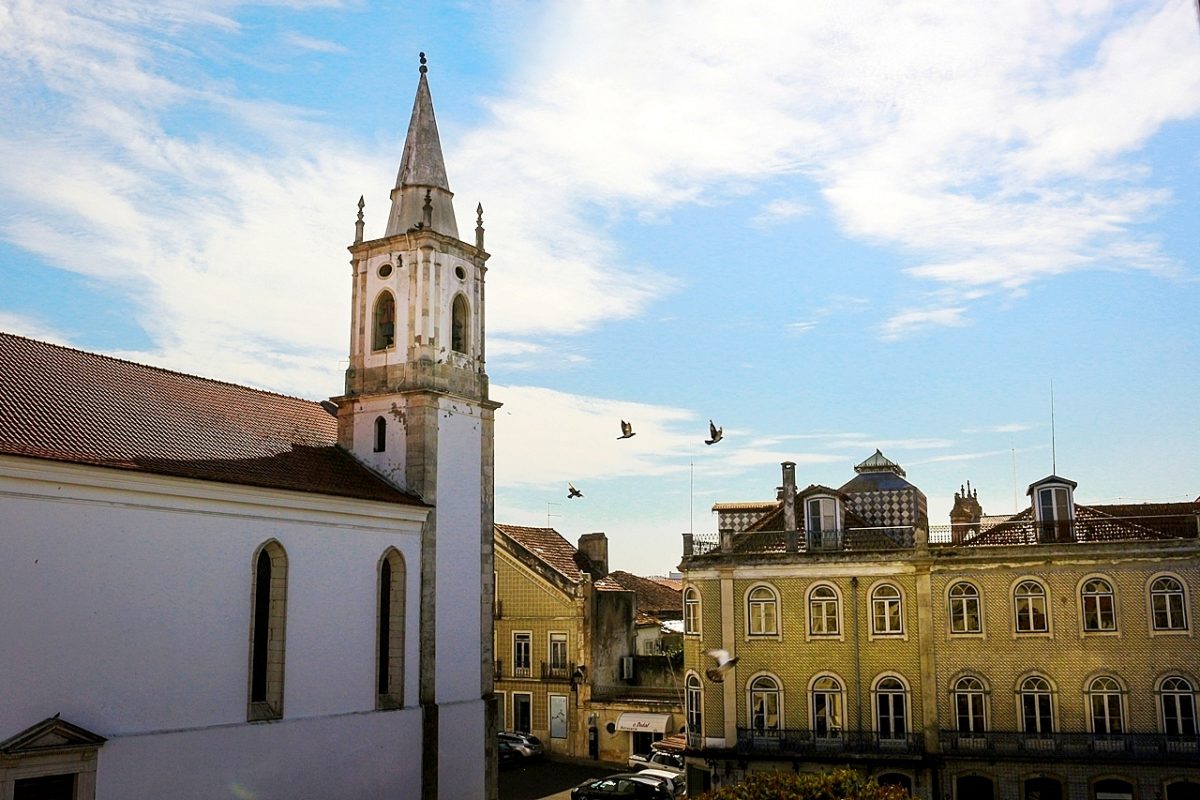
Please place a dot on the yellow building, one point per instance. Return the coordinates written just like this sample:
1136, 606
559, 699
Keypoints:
567, 669
1050, 654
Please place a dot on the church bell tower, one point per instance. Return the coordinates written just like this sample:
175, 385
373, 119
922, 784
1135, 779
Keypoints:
416, 410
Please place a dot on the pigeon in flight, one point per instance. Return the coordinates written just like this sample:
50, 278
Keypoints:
626, 430
714, 433
724, 664
572, 492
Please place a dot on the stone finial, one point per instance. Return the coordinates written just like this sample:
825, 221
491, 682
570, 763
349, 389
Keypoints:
479, 226
358, 226
424, 69
427, 210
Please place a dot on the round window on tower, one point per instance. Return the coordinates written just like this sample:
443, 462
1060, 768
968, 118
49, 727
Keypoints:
460, 273
385, 269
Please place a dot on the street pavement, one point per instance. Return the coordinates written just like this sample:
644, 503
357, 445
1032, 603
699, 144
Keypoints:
549, 779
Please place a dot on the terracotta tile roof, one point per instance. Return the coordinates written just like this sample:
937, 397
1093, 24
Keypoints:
675, 584
653, 598
1102, 523
63, 404
549, 547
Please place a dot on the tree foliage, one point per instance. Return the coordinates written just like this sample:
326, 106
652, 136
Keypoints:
840, 784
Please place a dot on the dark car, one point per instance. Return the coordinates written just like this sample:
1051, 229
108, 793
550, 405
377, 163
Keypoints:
525, 744
622, 786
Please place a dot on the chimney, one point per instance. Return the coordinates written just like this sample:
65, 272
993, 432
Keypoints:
595, 547
789, 495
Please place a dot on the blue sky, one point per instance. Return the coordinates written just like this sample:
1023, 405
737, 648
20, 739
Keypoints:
827, 229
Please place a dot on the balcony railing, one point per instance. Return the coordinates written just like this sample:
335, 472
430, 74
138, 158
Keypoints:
523, 671
1096, 527
557, 672
808, 742
656, 694
1087, 746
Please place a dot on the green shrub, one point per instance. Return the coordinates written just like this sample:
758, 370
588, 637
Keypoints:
840, 784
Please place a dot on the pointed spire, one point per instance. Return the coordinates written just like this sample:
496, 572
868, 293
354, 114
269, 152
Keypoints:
358, 225
479, 226
422, 170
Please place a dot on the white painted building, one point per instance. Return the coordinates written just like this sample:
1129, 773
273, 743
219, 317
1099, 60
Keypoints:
211, 591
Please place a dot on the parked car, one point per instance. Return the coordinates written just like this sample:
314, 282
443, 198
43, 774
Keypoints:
675, 781
659, 759
621, 786
507, 752
526, 744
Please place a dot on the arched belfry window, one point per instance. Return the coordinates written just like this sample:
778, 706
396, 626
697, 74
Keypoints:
389, 668
380, 434
267, 628
459, 317
383, 325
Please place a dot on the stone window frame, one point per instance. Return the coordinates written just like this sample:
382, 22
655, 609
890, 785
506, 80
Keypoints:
693, 604
381, 339
266, 702
460, 324
984, 691
515, 695
749, 603
1083, 595
566, 648
1017, 632
876, 708
1161, 694
840, 692
1117, 688
777, 691
1051, 693
1185, 605
901, 599
693, 703
810, 634
950, 601
51, 748
529, 667
379, 435
390, 652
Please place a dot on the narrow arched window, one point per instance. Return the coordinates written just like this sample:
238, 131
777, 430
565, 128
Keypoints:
891, 709
964, 608
1099, 610
389, 667
268, 618
380, 434
383, 325
765, 716
1104, 696
823, 612
827, 707
694, 713
691, 611
969, 697
762, 612
1029, 599
886, 613
1177, 703
1037, 709
458, 324
1167, 604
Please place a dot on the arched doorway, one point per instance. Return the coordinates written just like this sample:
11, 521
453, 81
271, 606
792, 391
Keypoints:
974, 787
1043, 789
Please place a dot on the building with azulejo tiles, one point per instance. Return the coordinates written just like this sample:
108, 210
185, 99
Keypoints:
1050, 654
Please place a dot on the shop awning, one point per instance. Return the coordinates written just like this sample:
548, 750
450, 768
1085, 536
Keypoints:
650, 723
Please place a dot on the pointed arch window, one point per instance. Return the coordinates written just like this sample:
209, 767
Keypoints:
389, 667
383, 325
267, 621
459, 324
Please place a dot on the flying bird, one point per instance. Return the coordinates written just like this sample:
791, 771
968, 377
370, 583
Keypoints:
626, 430
572, 492
714, 433
724, 664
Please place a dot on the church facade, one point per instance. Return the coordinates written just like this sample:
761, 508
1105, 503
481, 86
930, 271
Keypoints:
215, 591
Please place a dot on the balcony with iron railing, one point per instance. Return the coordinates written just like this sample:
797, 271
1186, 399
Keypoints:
1073, 745
557, 671
1090, 526
859, 539
798, 742
522, 671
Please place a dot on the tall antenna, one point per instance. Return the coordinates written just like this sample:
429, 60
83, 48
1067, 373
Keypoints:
1053, 448
549, 515
692, 497
1014, 476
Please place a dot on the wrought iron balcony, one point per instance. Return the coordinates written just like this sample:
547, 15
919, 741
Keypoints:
1084, 746
1092, 525
557, 672
785, 742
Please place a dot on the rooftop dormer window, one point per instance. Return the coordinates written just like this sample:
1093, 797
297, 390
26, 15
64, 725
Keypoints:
822, 521
1054, 509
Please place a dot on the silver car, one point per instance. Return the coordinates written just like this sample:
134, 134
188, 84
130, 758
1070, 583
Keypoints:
528, 745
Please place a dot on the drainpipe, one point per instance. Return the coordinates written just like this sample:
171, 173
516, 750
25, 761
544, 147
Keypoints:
857, 659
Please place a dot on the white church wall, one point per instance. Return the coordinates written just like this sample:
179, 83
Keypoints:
357, 756
461, 772
391, 461
127, 600
458, 552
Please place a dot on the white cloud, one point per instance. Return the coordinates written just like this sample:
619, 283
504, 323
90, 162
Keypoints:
31, 328
311, 44
907, 322
780, 211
